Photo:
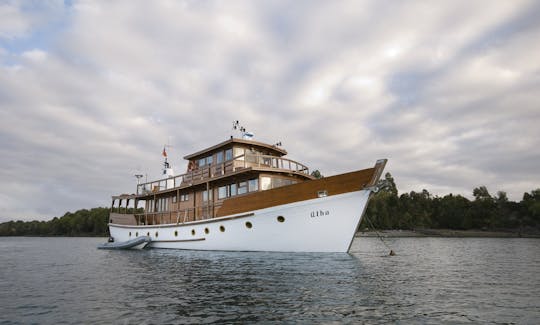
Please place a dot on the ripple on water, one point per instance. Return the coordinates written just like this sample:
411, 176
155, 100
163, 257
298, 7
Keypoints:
431, 280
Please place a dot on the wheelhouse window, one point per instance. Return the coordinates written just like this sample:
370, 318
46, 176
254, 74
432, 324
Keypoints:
228, 154
184, 197
242, 188
236, 189
219, 157
253, 185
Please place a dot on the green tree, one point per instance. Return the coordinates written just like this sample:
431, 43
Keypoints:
317, 174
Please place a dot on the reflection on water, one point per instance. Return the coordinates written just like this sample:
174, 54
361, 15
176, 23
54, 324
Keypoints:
431, 280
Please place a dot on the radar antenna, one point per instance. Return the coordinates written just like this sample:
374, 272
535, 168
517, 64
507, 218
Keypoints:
244, 133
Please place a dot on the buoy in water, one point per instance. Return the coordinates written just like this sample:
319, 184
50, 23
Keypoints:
392, 253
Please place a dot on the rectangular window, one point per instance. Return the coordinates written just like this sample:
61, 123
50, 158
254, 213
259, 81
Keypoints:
162, 205
242, 188
205, 196
266, 183
253, 185
232, 189
184, 197
209, 160
222, 192
202, 162
174, 199
228, 154
219, 157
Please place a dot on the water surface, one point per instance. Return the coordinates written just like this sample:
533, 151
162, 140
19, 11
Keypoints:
431, 280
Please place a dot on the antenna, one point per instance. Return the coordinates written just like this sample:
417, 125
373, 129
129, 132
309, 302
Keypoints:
243, 132
139, 176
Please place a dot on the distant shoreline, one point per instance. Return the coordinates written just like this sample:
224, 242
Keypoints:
388, 234
449, 233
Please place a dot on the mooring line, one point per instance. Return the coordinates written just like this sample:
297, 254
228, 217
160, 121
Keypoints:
392, 253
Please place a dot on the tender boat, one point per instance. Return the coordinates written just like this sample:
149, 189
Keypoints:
244, 195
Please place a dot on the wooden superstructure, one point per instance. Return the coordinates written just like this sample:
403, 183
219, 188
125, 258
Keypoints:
231, 177
244, 195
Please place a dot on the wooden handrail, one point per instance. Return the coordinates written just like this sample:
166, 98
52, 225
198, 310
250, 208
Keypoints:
224, 168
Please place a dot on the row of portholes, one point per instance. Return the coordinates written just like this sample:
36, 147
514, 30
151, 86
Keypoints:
248, 224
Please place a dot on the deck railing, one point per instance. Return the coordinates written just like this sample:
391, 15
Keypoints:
178, 216
221, 169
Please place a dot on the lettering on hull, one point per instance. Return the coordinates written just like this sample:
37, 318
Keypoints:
319, 213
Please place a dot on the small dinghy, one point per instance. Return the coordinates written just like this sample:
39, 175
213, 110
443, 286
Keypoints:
136, 243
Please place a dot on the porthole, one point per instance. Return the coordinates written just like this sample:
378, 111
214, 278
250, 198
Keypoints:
248, 225
130, 234
148, 234
176, 233
206, 231
280, 219
157, 234
193, 232
137, 234
221, 228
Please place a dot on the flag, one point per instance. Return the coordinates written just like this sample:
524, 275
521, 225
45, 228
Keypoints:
164, 153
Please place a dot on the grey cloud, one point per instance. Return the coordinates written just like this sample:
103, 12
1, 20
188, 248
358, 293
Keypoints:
339, 84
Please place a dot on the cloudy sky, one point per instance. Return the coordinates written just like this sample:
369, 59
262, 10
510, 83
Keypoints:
448, 91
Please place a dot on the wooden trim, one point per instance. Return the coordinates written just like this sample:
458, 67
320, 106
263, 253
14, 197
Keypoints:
339, 184
379, 167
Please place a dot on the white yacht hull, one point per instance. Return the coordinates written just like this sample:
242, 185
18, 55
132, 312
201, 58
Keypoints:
325, 224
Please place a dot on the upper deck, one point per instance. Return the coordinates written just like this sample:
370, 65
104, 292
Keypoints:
272, 150
226, 159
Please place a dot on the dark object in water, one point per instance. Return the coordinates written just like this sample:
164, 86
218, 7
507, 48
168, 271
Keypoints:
392, 253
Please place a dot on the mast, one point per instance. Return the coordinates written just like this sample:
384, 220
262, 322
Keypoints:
168, 172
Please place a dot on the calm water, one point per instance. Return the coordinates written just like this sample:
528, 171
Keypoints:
431, 280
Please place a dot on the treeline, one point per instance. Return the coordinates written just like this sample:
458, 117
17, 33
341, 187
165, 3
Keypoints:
386, 210
84, 222
414, 210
